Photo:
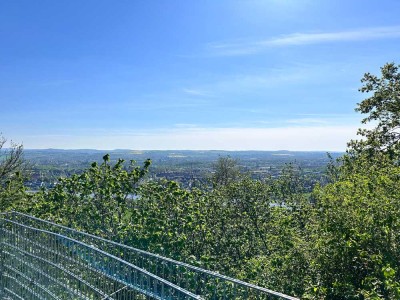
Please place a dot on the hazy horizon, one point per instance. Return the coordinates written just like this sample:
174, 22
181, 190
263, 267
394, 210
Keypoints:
170, 150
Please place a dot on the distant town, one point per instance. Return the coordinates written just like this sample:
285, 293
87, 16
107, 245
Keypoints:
189, 168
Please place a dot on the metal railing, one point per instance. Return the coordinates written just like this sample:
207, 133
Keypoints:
40, 264
151, 276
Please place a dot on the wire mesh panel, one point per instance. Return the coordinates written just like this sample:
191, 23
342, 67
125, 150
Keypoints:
207, 284
39, 264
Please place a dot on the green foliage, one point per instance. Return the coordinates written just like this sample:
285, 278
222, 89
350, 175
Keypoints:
226, 170
277, 216
383, 107
356, 232
168, 220
12, 193
341, 245
95, 201
237, 214
12, 175
256, 228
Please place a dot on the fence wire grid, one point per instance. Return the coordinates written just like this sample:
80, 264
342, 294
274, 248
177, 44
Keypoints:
43, 260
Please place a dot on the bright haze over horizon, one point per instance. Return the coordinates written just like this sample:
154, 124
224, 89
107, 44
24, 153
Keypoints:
197, 75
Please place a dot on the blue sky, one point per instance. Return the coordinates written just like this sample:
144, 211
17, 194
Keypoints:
169, 74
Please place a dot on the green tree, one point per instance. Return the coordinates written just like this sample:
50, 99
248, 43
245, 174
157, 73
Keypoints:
169, 220
226, 170
354, 232
354, 228
96, 201
383, 109
12, 174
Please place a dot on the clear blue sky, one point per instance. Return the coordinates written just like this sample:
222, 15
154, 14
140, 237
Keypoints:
204, 74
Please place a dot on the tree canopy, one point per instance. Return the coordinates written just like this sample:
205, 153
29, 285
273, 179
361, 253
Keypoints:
383, 109
12, 173
226, 170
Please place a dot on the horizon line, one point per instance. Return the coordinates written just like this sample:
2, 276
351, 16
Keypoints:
210, 150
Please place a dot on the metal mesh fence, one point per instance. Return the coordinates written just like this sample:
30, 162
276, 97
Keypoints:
39, 264
43, 260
